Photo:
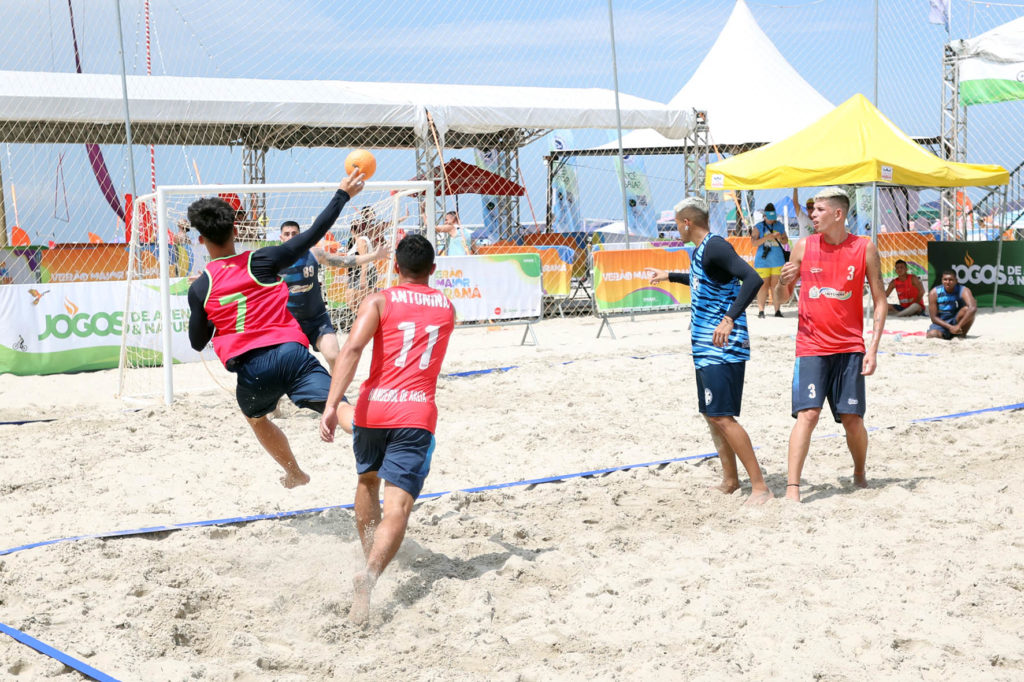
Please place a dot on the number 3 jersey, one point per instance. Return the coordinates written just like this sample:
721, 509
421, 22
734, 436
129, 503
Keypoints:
408, 349
247, 314
831, 297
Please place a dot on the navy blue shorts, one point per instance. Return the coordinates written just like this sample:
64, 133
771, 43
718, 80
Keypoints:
835, 377
399, 456
720, 389
266, 374
315, 327
946, 334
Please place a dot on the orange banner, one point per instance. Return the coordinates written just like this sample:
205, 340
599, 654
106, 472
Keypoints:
909, 246
621, 283
94, 263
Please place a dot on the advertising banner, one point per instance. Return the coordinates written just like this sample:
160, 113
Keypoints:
94, 263
975, 266
21, 264
621, 284
640, 215
555, 261
565, 192
491, 287
56, 328
909, 246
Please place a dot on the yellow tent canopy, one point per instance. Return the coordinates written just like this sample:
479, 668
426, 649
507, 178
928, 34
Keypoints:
852, 144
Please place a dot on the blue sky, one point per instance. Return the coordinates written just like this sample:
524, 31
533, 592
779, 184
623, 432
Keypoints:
526, 42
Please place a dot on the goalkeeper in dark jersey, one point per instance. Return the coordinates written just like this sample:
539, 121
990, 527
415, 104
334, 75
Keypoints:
305, 302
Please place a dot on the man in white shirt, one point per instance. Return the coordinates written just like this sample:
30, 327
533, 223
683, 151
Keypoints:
803, 218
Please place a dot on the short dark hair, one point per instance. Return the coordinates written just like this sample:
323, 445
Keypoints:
898, 261
414, 255
213, 218
947, 272
453, 213
769, 206
290, 223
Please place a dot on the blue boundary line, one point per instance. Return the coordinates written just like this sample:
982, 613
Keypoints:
313, 510
22, 422
56, 654
957, 415
89, 671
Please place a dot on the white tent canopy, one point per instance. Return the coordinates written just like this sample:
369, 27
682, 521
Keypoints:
1004, 43
742, 61
66, 107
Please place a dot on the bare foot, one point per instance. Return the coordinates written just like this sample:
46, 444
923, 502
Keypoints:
793, 492
727, 487
362, 585
295, 479
758, 497
860, 480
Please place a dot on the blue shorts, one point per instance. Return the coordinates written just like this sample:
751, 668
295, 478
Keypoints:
836, 377
946, 334
399, 456
720, 389
266, 374
315, 327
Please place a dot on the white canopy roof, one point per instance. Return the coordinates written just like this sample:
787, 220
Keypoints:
1004, 43
68, 107
742, 61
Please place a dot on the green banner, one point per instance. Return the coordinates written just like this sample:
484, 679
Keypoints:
975, 266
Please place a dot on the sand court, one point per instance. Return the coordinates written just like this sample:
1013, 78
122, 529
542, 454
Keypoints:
641, 572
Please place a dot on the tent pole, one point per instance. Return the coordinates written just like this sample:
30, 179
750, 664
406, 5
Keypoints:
874, 235
3, 211
999, 248
618, 127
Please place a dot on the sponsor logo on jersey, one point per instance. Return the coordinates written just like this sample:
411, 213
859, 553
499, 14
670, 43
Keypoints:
829, 292
815, 271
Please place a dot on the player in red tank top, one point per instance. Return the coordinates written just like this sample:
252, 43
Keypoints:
395, 417
241, 302
831, 359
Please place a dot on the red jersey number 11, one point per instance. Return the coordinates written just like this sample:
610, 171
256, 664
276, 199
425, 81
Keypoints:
408, 330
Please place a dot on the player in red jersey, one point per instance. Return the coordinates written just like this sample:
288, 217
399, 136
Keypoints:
393, 435
831, 359
241, 302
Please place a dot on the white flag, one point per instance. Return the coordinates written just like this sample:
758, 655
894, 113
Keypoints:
939, 13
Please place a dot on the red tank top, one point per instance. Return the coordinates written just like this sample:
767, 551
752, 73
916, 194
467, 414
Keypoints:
907, 292
408, 349
831, 297
245, 313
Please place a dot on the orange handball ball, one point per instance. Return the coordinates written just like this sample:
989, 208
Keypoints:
363, 160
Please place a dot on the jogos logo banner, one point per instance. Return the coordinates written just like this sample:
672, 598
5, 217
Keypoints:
975, 266
55, 328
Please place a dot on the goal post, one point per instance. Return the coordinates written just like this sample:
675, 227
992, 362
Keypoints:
165, 257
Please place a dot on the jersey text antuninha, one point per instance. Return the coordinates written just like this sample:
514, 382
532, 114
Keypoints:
436, 300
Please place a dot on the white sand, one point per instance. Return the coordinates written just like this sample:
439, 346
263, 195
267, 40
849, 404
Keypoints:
642, 574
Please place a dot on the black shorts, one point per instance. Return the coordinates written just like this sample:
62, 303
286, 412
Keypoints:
401, 456
720, 389
835, 377
266, 374
315, 327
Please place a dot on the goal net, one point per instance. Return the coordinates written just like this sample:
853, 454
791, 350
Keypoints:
157, 361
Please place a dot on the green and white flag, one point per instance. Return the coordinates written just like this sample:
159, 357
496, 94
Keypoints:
983, 81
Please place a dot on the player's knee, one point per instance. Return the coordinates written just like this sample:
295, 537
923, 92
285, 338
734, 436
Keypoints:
809, 417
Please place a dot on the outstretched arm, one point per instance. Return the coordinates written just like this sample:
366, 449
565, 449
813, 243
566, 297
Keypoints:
881, 307
363, 330
657, 276
344, 260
